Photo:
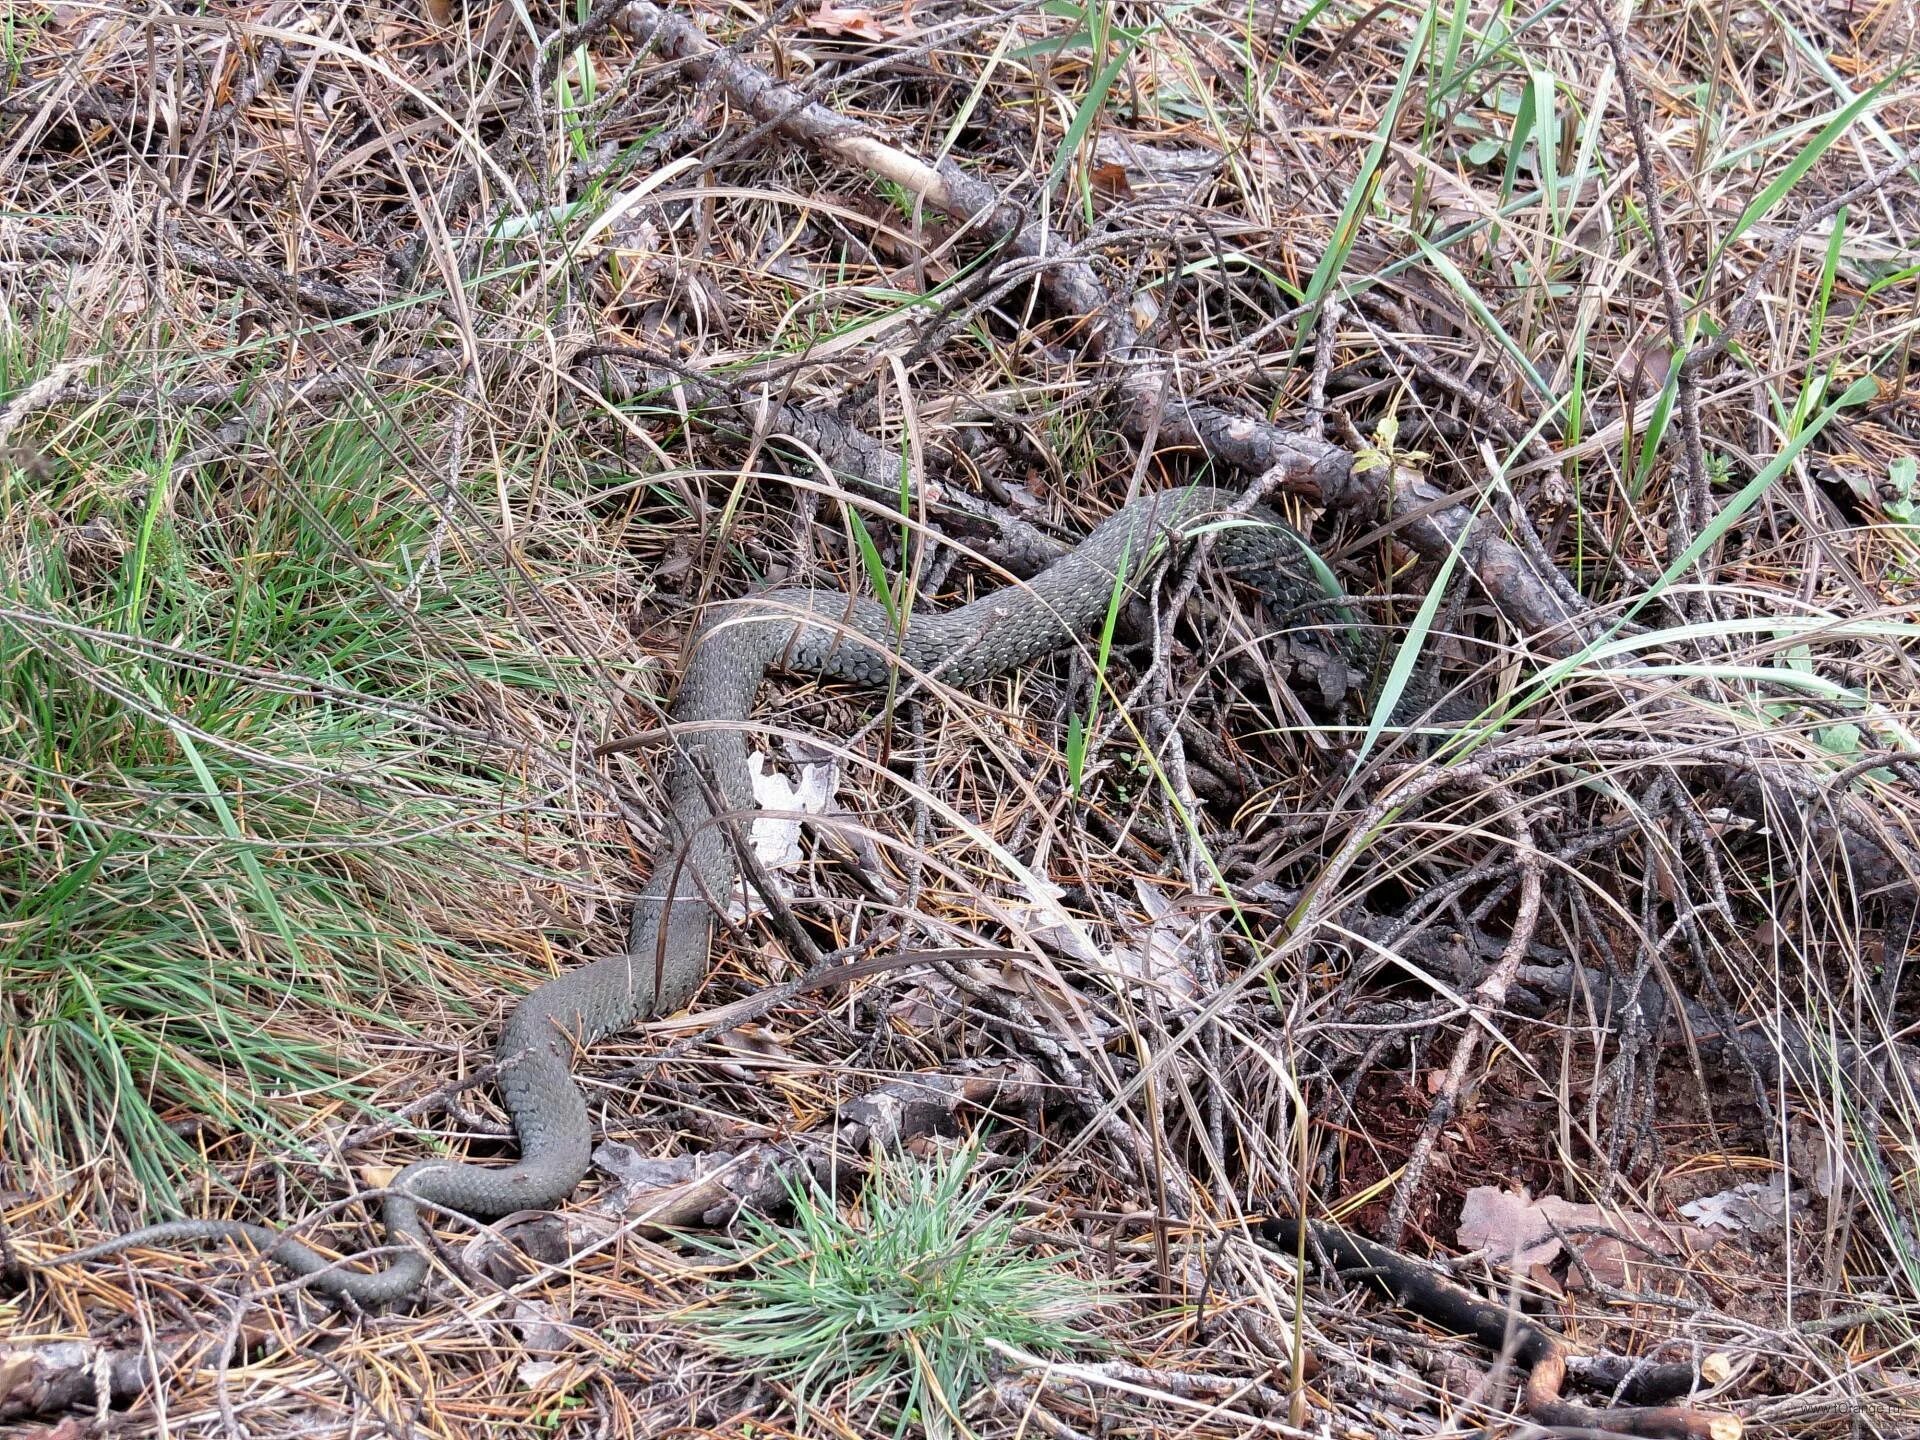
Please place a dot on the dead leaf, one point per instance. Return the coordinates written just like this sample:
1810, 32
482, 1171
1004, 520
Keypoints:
775, 837
1642, 371
1543, 1280
1814, 1157
543, 1330
639, 1174
1042, 918
538, 1374
1111, 181
1508, 1226
924, 1007
1755, 1208
679, 561
859, 22
751, 1042
1519, 1233
1162, 955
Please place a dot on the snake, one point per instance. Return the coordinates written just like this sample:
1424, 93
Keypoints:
811, 632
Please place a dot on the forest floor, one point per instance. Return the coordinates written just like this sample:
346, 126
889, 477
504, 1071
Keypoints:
383, 391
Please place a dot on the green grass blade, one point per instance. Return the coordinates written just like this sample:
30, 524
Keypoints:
875, 566
1346, 228
1077, 732
1469, 296
1782, 185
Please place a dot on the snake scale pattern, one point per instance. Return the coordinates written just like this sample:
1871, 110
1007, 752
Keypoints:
808, 632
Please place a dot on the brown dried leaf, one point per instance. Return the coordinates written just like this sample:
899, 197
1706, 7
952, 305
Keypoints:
1508, 1226
1111, 181
857, 21
1520, 1233
1643, 368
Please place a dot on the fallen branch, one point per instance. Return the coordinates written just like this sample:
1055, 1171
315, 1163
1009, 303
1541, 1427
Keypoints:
46, 1377
708, 1190
1432, 521
1542, 1353
323, 296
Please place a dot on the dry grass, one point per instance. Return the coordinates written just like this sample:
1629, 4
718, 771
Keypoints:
315, 603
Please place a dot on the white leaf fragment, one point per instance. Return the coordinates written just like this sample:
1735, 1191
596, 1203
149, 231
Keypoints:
775, 836
1162, 956
1757, 1207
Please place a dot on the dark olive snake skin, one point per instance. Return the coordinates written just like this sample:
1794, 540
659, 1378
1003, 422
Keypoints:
811, 632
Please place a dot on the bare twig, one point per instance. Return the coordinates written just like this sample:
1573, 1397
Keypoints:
1693, 508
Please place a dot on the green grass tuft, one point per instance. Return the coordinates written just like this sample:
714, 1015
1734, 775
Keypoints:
246, 820
886, 1306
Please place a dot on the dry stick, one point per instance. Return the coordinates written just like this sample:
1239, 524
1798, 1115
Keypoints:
553, 53
856, 457
80, 107
273, 55
329, 299
49, 1376
1692, 512
916, 856
1059, 1374
1205, 943
320, 295
1489, 996
1434, 522
1193, 1385
58, 385
1500, 1329
1419, 782
229, 1345
1749, 297
454, 467
1412, 921
949, 36
1326, 337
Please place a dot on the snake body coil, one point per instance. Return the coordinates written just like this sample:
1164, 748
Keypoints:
806, 631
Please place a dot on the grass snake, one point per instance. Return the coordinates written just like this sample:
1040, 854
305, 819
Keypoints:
810, 632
